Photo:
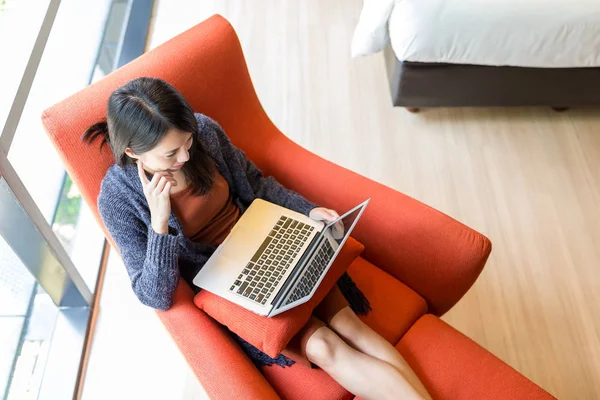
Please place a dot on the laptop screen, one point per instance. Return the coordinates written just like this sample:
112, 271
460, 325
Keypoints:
342, 227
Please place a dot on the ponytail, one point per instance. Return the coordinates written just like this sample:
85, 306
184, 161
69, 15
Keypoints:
99, 129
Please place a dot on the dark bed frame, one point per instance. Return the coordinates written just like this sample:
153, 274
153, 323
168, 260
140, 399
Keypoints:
417, 85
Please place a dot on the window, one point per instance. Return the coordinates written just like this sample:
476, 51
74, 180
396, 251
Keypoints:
28, 316
65, 67
22, 19
50, 244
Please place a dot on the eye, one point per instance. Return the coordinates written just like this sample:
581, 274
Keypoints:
171, 156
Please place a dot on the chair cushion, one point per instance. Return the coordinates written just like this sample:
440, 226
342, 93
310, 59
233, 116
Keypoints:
300, 382
271, 335
395, 306
452, 366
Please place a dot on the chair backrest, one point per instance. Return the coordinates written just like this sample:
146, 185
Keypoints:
205, 63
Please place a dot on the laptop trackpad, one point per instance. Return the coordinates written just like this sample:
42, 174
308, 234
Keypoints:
240, 245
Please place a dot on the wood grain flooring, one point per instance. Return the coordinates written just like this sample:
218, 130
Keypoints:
528, 178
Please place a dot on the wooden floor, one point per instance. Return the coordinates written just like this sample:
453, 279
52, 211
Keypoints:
528, 178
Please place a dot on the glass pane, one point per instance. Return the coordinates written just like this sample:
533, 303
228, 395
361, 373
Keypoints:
28, 318
67, 214
79, 233
65, 68
111, 44
18, 19
25, 231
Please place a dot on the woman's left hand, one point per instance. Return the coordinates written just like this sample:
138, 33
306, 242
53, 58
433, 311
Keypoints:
323, 214
327, 215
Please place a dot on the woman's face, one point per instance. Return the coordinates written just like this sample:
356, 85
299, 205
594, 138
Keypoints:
169, 154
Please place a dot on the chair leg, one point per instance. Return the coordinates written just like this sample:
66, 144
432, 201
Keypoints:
412, 109
560, 109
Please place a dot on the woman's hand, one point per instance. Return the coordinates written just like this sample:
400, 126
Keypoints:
323, 214
157, 193
327, 215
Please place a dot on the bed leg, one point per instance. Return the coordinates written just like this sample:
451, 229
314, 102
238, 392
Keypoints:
412, 109
560, 109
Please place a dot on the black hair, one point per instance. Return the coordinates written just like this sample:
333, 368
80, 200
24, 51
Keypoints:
139, 115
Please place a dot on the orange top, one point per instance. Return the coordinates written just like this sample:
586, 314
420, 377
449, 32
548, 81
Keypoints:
207, 218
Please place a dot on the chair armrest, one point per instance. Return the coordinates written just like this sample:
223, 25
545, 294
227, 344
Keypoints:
435, 255
454, 367
218, 362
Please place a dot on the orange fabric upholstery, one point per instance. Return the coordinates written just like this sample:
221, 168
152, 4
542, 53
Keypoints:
216, 359
301, 383
426, 250
452, 366
395, 307
271, 335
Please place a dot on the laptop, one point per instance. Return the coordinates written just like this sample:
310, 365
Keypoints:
274, 259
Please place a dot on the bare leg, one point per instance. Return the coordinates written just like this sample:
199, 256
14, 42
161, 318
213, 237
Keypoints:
360, 336
361, 374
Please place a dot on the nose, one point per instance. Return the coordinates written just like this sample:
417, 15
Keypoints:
183, 157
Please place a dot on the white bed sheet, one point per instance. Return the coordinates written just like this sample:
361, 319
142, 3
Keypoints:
527, 33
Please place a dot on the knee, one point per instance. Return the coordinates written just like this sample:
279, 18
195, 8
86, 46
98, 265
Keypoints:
347, 324
322, 347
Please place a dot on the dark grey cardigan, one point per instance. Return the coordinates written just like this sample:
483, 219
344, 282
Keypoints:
154, 262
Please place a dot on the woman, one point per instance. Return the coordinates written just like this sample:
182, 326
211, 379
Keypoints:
176, 190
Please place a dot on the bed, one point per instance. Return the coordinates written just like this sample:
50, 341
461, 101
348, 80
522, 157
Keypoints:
444, 53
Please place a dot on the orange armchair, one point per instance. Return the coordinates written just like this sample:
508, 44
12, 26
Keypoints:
417, 264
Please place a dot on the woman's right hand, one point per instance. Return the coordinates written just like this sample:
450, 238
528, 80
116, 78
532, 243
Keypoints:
157, 192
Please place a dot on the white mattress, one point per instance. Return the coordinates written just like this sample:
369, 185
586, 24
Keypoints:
530, 33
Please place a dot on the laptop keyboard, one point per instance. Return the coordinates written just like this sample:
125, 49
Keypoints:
270, 262
312, 273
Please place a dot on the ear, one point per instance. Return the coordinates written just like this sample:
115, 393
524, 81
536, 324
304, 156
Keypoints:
131, 154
